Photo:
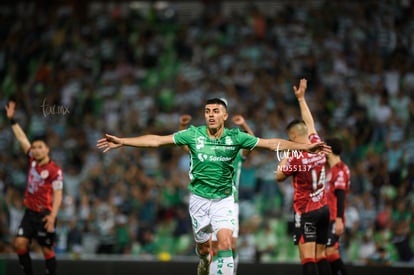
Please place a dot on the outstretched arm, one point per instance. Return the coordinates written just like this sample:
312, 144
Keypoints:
17, 130
278, 144
304, 109
112, 142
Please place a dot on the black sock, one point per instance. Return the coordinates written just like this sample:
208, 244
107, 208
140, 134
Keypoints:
338, 267
26, 263
51, 266
324, 267
309, 268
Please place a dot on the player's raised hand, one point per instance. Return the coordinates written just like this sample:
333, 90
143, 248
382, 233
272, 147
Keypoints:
10, 108
109, 142
300, 92
238, 120
184, 121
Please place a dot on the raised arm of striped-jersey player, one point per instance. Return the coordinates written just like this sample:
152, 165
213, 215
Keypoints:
17, 130
304, 108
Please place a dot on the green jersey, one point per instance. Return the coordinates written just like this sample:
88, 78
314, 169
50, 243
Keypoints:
212, 160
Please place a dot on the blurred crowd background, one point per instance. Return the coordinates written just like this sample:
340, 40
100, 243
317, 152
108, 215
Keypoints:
80, 70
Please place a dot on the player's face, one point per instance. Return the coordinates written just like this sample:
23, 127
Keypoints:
292, 135
329, 156
39, 150
297, 132
215, 115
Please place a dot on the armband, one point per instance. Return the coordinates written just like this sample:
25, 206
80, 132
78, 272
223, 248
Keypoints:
12, 121
57, 185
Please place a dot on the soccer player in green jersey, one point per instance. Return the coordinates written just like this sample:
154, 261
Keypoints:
238, 163
213, 149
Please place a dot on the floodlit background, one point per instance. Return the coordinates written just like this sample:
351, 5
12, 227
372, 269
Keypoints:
80, 70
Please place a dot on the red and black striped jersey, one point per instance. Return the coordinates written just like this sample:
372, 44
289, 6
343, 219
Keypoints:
41, 181
308, 171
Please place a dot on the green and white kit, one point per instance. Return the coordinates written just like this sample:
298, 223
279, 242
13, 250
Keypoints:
212, 159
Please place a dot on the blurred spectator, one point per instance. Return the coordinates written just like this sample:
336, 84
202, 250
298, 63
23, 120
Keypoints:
104, 227
248, 180
367, 247
379, 257
246, 243
367, 212
401, 237
74, 238
267, 243
352, 220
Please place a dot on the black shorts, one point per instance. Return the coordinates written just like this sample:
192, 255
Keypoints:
333, 239
32, 226
312, 226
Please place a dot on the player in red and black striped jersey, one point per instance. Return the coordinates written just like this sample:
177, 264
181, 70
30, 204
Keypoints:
307, 168
338, 180
42, 199
309, 197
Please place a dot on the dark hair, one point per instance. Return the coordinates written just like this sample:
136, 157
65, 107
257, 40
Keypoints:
293, 123
336, 145
216, 100
42, 138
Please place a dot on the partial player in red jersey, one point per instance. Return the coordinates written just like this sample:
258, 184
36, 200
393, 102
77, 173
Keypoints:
309, 197
42, 199
338, 182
